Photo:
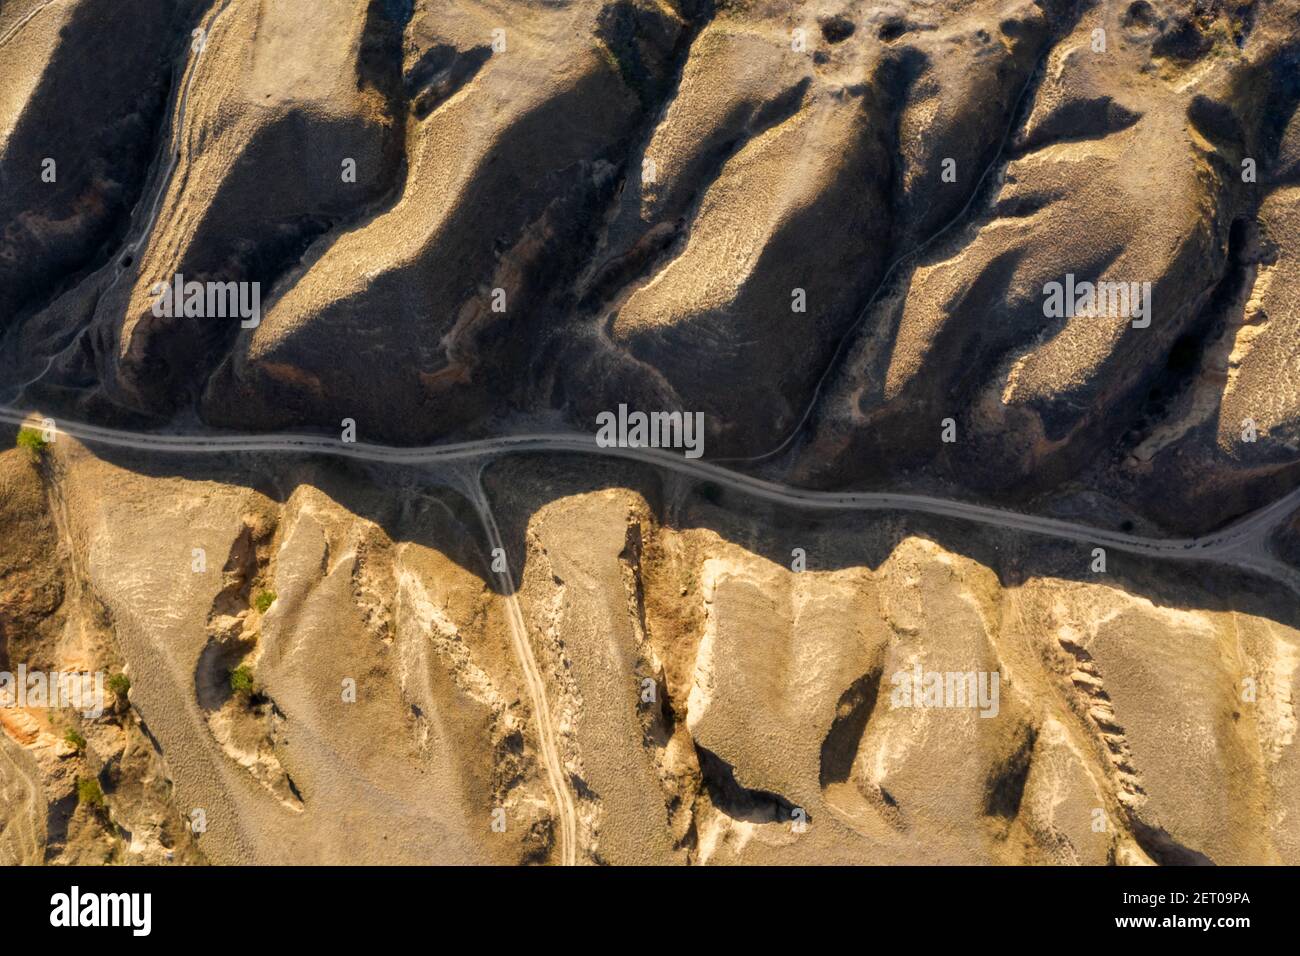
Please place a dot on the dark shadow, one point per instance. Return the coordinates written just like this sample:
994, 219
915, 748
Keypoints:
738, 802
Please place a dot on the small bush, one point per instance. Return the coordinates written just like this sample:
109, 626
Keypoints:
263, 601
119, 685
89, 792
74, 737
32, 440
241, 680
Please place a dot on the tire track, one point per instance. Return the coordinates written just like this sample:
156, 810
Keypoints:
546, 734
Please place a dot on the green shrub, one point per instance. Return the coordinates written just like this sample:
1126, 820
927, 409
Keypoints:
263, 601
32, 440
89, 792
241, 680
119, 684
74, 737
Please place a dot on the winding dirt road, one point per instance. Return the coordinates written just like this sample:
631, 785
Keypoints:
1243, 544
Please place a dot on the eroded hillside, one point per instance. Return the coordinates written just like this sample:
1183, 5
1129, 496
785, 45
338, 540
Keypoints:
708, 702
831, 228
827, 226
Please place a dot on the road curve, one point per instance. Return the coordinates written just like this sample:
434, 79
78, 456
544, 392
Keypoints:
1245, 535
163, 178
178, 139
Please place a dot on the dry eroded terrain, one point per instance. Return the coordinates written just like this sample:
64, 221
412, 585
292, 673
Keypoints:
700, 690
828, 227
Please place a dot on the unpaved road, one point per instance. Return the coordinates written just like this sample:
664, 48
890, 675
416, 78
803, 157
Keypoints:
551, 761
17, 27
22, 842
1243, 544
160, 179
